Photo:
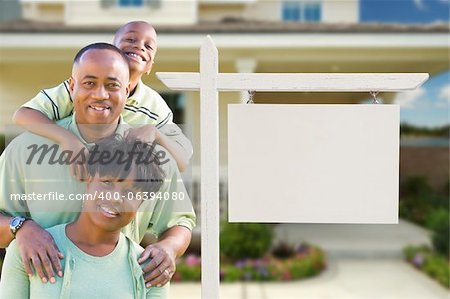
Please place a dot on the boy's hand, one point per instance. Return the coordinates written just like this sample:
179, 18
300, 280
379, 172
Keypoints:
37, 245
79, 156
161, 266
146, 133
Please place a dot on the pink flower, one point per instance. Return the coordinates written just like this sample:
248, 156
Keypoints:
192, 260
258, 263
418, 260
286, 276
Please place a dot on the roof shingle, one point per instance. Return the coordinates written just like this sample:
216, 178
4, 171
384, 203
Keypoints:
231, 26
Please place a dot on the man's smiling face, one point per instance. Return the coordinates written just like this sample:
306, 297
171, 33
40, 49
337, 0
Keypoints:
99, 86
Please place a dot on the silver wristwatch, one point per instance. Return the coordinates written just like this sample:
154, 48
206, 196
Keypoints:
16, 223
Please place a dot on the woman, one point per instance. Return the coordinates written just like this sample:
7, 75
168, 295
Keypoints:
100, 261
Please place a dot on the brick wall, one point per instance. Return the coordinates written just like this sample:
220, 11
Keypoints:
430, 162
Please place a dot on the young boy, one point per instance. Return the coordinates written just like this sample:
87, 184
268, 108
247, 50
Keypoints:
100, 261
145, 109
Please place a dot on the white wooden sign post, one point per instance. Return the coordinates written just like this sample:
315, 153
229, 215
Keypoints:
209, 81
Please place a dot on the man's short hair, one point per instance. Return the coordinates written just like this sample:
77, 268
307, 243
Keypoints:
124, 156
99, 46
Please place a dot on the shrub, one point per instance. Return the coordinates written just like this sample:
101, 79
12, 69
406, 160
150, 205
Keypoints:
445, 192
240, 241
308, 262
443, 195
411, 251
415, 203
283, 250
415, 186
433, 264
418, 200
438, 268
188, 268
438, 221
2, 143
188, 273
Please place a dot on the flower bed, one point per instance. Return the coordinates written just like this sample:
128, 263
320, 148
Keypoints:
430, 262
306, 261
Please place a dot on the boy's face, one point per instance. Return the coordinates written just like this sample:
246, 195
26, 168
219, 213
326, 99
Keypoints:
114, 203
138, 41
99, 87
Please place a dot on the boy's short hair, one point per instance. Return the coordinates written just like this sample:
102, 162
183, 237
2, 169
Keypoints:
117, 156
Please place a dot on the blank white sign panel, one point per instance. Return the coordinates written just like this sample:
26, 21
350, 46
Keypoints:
313, 163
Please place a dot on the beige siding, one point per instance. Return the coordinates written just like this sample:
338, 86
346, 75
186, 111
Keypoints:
263, 10
46, 12
260, 10
179, 12
193, 120
20, 82
337, 11
216, 13
170, 12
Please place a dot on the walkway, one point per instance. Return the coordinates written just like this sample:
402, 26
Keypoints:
365, 262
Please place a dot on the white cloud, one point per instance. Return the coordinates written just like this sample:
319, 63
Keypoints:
409, 99
419, 4
444, 93
444, 96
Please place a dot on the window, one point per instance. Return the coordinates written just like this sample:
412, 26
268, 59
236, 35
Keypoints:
312, 12
176, 103
131, 2
291, 11
301, 11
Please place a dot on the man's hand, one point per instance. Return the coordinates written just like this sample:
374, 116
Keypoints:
161, 266
150, 134
146, 133
37, 245
79, 155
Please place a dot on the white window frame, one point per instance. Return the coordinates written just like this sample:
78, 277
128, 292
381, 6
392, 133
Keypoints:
119, 4
302, 7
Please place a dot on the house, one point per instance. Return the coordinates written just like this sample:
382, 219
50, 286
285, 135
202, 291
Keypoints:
39, 41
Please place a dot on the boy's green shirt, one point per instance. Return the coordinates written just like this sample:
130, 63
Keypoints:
144, 106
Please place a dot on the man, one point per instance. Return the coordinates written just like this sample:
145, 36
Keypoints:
144, 108
99, 87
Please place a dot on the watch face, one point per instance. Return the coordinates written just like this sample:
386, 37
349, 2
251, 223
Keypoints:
15, 221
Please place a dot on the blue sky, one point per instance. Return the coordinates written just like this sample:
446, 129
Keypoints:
404, 11
428, 105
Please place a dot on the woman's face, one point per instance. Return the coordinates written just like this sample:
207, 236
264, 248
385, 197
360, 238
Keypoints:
113, 203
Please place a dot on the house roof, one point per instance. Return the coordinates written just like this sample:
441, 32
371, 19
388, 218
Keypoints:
232, 26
